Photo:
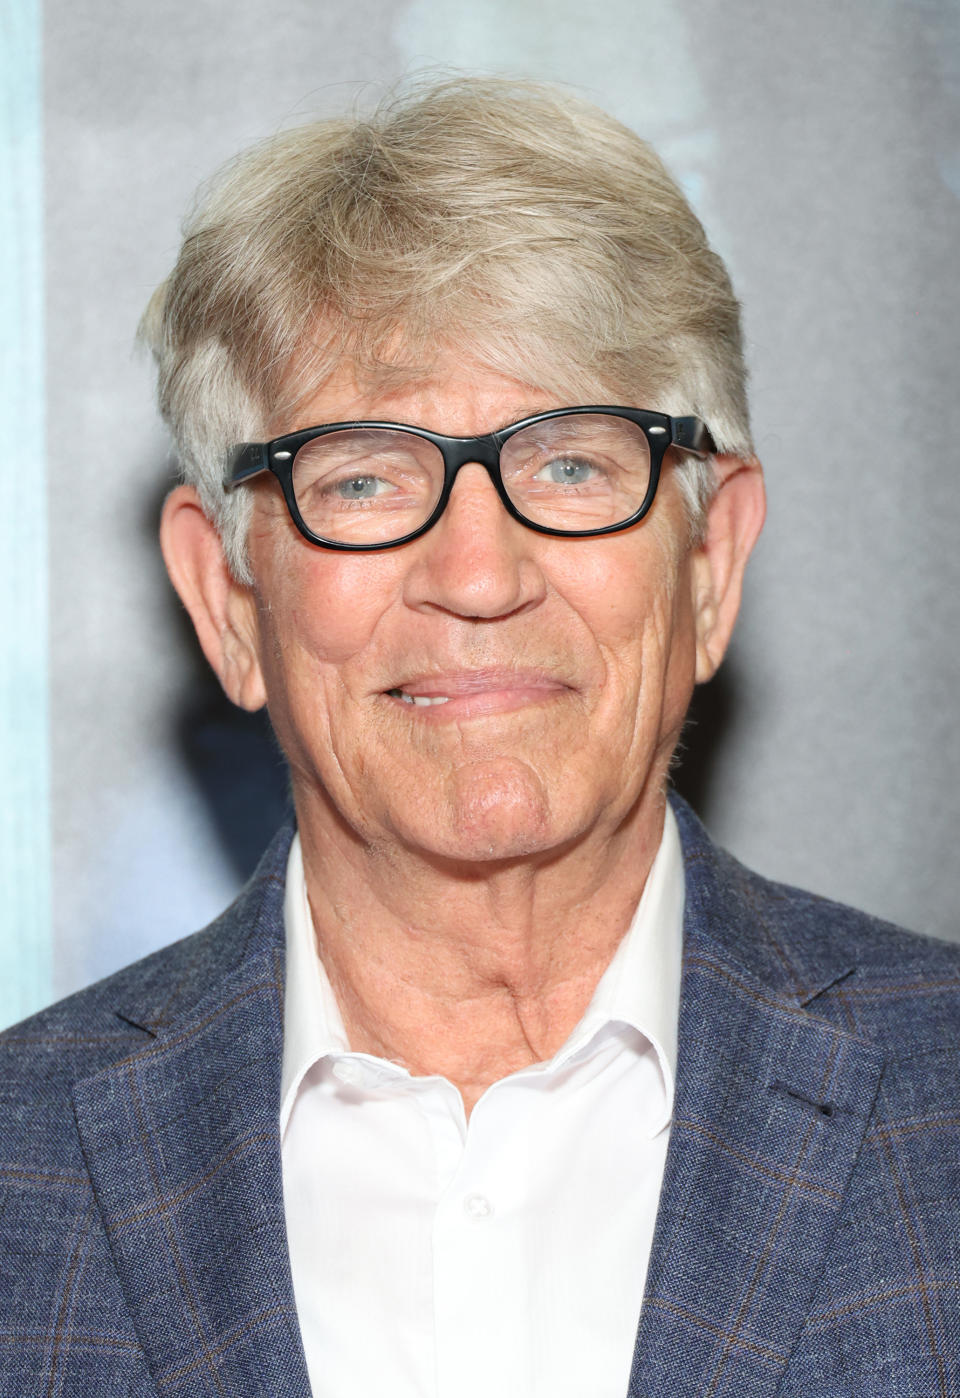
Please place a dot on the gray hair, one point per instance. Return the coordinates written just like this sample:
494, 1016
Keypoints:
512, 216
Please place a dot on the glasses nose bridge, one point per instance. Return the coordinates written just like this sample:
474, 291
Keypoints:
472, 451
465, 451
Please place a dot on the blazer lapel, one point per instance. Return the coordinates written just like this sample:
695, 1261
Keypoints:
183, 1148
771, 1108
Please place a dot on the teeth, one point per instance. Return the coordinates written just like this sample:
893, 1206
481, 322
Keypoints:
419, 699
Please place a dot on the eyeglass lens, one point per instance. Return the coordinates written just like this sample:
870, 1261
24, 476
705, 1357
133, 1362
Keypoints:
364, 485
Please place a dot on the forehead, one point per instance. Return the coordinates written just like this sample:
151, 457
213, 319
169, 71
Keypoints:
457, 395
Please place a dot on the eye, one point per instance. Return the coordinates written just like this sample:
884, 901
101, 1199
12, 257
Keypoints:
360, 487
567, 470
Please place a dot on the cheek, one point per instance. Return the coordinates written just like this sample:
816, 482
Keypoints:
630, 600
637, 606
324, 609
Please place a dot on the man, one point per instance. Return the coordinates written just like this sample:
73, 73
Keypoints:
498, 1077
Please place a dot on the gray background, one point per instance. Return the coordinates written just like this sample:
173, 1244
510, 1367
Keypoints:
820, 143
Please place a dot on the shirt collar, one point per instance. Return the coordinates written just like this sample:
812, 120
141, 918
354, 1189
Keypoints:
312, 1024
640, 988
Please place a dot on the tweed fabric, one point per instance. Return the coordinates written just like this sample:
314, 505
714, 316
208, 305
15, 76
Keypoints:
808, 1237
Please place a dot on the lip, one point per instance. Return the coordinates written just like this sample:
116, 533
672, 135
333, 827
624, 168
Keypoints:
473, 693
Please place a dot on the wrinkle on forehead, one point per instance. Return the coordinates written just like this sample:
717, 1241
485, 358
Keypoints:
398, 363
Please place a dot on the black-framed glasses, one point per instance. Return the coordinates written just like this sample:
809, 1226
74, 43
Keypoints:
575, 472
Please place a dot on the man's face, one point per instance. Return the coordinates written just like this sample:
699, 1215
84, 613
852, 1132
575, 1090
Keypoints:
565, 665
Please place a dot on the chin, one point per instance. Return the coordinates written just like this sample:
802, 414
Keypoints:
493, 810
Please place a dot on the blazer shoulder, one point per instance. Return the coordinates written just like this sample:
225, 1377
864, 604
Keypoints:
903, 988
898, 988
44, 1056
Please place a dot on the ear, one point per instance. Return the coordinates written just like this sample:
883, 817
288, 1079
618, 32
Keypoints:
223, 611
734, 521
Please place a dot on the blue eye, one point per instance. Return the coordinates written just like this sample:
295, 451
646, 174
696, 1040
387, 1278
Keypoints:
360, 487
565, 470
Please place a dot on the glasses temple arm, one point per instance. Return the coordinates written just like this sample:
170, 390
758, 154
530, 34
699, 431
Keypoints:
246, 460
690, 434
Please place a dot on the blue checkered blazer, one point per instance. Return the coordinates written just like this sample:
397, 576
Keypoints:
808, 1238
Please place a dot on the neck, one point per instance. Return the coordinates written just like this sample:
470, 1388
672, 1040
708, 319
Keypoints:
471, 972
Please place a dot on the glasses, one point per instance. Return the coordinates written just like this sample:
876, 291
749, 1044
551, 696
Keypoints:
574, 472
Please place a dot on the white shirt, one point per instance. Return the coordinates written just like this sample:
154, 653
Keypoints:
507, 1257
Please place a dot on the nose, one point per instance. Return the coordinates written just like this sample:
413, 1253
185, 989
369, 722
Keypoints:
476, 561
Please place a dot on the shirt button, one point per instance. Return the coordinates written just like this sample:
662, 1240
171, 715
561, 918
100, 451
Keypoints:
477, 1206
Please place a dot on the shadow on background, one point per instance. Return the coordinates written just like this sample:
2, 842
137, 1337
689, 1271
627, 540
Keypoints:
709, 727
236, 764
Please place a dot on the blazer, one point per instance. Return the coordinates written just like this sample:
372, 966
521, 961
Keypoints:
808, 1236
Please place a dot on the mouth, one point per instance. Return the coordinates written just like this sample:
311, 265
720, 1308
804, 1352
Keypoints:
474, 693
